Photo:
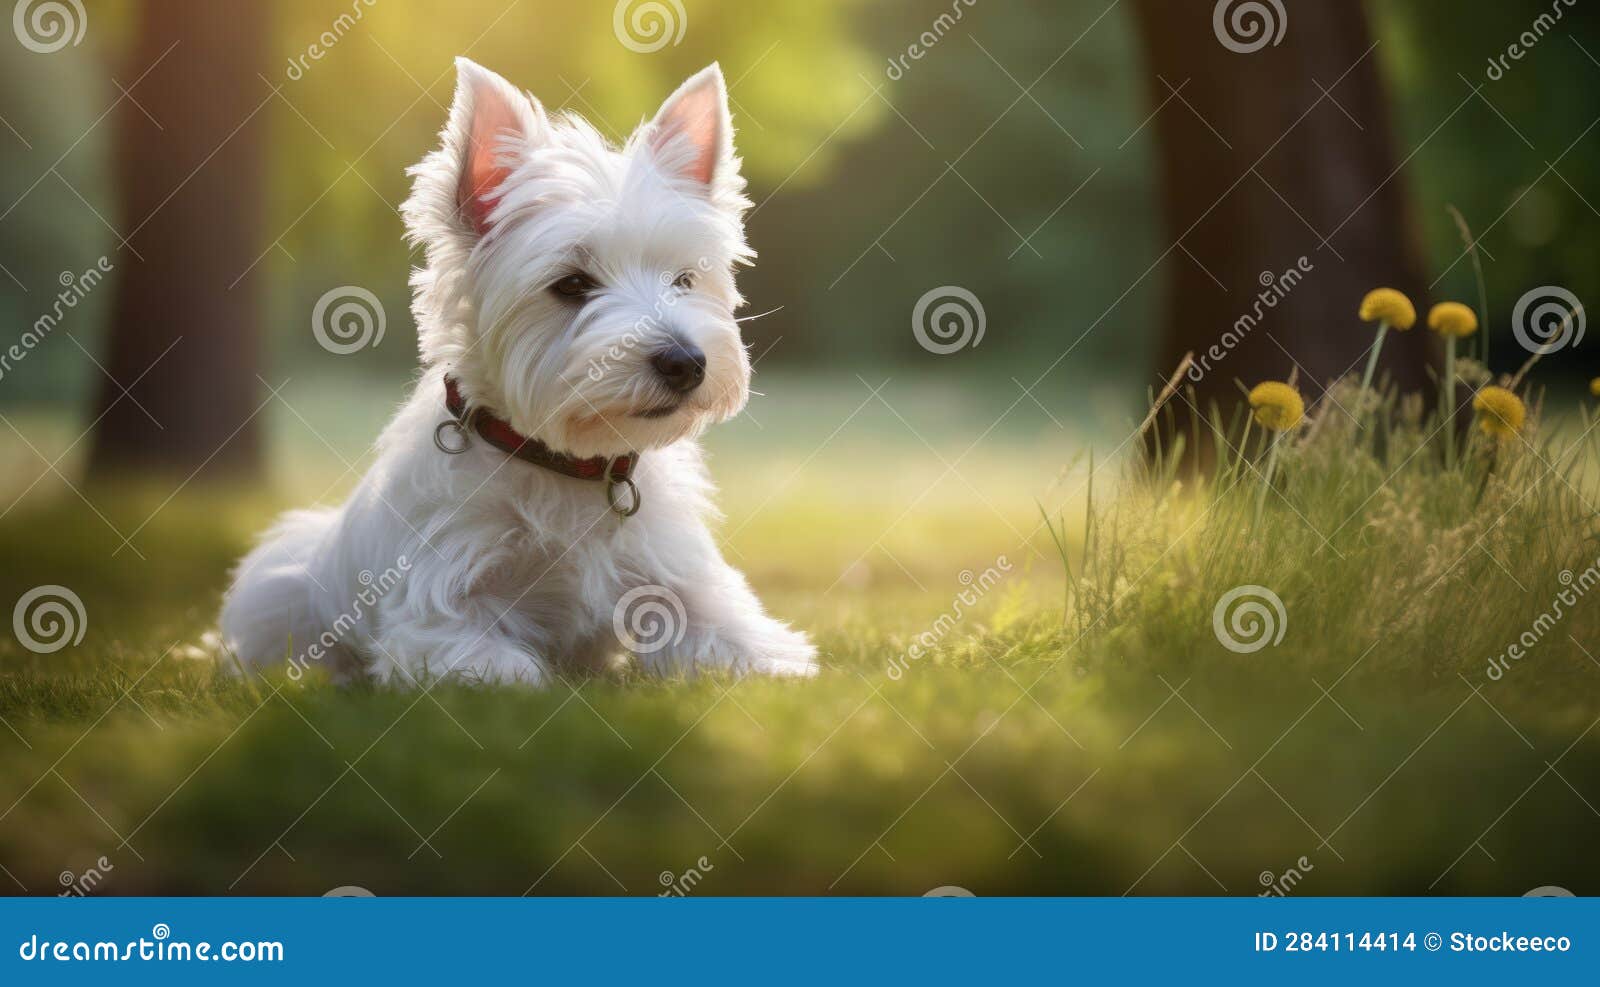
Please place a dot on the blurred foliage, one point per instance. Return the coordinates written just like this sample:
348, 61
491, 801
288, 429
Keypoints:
874, 182
1518, 158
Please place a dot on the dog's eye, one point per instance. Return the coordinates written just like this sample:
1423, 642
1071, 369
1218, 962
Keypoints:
574, 285
684, 281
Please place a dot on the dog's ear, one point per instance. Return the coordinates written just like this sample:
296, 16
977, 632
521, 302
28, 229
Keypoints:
492, 126
692, 134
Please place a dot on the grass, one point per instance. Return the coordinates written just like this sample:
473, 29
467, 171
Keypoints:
1075, 725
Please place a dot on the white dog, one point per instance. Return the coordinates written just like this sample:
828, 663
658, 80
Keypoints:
539, 502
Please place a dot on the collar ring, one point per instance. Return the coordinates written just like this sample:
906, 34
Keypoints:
461, 443
631, 507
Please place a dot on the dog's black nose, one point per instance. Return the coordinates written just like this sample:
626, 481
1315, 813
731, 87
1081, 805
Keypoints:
681, 365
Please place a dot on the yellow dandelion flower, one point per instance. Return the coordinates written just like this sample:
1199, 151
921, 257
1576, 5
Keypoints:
1594, 387
1500, 412
1388, 305
1277, 405
1452, 319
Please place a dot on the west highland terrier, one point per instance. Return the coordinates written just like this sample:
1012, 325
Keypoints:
540, 501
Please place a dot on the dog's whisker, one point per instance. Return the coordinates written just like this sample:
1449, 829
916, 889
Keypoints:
759, 315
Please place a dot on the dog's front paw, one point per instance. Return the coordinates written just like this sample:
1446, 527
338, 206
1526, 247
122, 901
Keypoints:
755, 647
470, 660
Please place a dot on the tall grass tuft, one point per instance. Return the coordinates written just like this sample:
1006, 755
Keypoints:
1389, 559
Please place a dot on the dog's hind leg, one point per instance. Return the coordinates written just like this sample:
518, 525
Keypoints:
270, 612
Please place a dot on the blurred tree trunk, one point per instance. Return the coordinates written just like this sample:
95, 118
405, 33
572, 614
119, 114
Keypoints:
191, 139
1258, 166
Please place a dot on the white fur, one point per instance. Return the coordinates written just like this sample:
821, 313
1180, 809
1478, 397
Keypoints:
503, 570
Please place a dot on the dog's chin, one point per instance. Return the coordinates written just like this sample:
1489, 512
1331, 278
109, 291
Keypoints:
633, 429
610, 424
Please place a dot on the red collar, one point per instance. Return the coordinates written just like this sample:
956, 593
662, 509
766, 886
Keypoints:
615, 470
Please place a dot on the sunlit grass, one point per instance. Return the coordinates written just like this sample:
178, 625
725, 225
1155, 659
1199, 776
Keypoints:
1077, 727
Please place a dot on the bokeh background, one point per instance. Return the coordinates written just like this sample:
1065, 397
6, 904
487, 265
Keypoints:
875, 181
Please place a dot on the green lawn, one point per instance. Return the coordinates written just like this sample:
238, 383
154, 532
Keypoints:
1114, 746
